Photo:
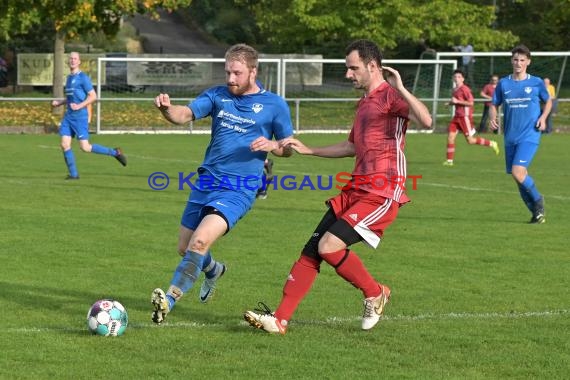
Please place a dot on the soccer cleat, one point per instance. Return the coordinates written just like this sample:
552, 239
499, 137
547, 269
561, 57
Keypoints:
70, 177
121, 157
160, 305
495, 147
264, 319
537, 219
447, 163
208, 287
374, 307
261, 194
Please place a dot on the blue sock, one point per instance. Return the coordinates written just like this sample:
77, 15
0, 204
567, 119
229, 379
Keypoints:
530, 188
186, 274
209, 266
70, 162
526, 198
100, 149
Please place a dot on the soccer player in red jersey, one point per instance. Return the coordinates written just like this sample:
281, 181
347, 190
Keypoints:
462, 100
365, 207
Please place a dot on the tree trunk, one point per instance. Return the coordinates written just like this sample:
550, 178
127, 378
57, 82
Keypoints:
58, 66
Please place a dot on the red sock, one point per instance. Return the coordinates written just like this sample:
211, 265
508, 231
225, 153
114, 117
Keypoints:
299, 282
450, 151
482, 141
349, 266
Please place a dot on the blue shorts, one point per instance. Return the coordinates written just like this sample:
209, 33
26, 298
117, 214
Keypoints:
233, 205
75, 128
520, 154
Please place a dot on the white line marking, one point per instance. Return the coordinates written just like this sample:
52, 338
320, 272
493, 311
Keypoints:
479, 189
327, 321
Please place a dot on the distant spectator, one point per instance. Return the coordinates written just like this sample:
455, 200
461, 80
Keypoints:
468, 61
552, 92
487, 93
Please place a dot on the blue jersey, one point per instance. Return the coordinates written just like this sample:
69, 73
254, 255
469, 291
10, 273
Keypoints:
521, 105
77, 87
236, 122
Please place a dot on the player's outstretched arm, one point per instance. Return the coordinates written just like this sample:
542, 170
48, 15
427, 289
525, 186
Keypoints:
419, 113
342, 149
264, 144
175, 114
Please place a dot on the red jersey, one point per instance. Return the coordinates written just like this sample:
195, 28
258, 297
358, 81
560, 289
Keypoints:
488, 89
378, 134
463, 93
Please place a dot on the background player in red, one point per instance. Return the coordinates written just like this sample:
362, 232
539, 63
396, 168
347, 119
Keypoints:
487, 94
364, 208
462, 100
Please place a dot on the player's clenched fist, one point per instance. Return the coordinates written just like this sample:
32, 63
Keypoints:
162, 101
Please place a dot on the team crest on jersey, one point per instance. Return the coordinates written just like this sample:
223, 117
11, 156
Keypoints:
528, 90
257, 107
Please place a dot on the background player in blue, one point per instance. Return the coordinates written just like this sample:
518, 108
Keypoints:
79, 94
245, 119
521, 95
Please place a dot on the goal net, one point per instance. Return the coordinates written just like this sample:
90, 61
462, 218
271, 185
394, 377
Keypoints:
482, 65
320, 97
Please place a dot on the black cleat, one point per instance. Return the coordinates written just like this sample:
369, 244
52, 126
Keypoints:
261, 194
121, 157
70, 177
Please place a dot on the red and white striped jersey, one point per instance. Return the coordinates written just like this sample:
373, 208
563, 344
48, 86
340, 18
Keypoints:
378, 134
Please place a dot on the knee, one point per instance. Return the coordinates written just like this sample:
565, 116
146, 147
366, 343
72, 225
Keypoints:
518, 175
330, 243
199, 245
65, 145
85, 147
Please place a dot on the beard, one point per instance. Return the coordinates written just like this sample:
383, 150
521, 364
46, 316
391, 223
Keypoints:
237, 89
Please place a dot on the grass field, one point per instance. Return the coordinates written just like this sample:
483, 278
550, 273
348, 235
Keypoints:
477, 292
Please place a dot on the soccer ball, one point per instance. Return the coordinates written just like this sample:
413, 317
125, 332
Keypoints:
108, 318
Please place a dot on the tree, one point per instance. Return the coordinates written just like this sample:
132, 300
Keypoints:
541, 25
294, 25
69, 19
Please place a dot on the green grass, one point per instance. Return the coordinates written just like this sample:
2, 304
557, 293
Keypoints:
477, 292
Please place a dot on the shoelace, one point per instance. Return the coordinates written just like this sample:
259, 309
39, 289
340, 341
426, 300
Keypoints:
264, 309
368, 309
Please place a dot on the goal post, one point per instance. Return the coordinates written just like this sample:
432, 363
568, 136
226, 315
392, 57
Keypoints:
123, 82
317, 87
320, 97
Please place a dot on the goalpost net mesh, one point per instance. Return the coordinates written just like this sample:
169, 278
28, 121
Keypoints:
320, 97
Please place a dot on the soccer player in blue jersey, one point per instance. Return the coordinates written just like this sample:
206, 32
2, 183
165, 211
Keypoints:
521, 95
247, 122
79, 95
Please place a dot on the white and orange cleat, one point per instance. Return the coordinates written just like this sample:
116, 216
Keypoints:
264, 319
374, 308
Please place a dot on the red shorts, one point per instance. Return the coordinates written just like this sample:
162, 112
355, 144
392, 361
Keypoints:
464, 124
369, 214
